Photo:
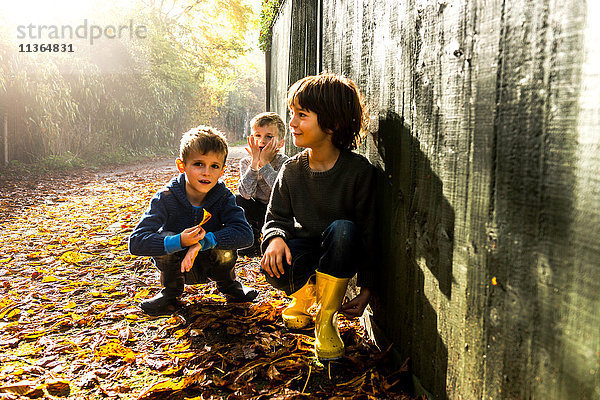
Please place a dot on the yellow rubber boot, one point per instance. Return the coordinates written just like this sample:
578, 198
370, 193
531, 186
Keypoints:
296, 315
330, 293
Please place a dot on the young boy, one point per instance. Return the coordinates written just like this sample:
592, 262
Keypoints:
171, 224
259, 170
321, 215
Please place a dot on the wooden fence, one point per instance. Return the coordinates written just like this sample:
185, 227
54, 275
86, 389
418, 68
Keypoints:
486, 123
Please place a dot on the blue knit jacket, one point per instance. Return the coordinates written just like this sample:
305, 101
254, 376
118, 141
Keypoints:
171, 211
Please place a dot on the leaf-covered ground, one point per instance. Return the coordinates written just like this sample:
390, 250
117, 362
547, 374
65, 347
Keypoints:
70, 326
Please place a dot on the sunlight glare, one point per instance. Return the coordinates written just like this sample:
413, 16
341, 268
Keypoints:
43, 11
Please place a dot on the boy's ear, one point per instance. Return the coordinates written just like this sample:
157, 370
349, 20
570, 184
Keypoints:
180, 165
330, 131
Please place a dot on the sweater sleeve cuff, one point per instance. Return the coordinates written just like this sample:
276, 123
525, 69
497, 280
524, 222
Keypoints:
209, 241
266, 169
269, 174
270, 235
365, 278
172, 244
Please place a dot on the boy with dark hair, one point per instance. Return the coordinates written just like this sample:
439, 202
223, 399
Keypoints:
172, 223
320, 219
259, 170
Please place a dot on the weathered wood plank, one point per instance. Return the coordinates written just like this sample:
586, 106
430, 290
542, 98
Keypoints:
482, 54
280, 59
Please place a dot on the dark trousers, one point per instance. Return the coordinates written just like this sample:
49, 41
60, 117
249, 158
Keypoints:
255, 212
337, 252
216, 265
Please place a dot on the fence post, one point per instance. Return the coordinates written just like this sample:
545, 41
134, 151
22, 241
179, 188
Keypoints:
5, 138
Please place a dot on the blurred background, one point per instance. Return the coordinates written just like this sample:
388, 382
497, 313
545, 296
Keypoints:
127, 77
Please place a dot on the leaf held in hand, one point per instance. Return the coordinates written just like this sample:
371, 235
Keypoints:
205, 217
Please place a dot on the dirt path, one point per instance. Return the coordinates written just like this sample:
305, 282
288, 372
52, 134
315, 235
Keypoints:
70, 325
167, 164
20, 192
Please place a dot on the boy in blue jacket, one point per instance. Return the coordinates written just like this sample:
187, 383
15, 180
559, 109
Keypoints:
171, 225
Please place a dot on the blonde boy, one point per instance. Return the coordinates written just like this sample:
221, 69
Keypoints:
170, 226
258, 171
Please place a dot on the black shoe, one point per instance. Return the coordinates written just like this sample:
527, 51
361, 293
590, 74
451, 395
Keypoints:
160, 305
238, 293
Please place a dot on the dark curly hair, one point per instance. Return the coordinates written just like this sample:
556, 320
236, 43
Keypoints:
339, 106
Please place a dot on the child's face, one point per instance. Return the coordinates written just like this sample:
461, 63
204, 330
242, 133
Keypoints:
202, 172
305, 128
264, 134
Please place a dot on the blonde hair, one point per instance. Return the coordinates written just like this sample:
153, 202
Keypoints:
203, 139
269, 118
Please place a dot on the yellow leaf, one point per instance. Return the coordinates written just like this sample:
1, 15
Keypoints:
13, 313
205, 217
115, 240
182, 346
70, 305
5, 306
142, 294
173, 384
6, 301
172, 370
184, 355
181, 332
72, 257
49, 278
34, 334
7, 311
115, 349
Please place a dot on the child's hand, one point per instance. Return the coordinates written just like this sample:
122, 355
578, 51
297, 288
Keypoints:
272, 260
191, 236
355, 307
269, 152
254, 151
190, 256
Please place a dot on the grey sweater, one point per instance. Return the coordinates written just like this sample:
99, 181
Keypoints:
305, 202
257, 185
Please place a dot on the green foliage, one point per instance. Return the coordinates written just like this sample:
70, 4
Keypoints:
269, 11
62, 162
